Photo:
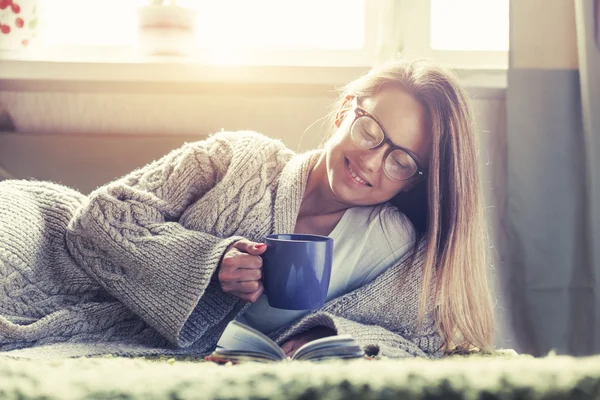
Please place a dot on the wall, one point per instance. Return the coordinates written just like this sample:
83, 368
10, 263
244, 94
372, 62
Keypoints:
549, 279
543, 34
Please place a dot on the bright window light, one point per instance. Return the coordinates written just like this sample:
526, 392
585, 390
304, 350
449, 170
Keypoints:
469, 25
277, 24
90, 22
259, 24
292, 32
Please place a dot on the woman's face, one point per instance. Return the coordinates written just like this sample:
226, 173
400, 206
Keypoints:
356, 175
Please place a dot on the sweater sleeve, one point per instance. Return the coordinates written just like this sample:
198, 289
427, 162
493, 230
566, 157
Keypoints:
127, 237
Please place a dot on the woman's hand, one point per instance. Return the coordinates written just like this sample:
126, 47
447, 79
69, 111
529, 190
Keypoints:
240, 270
291, 346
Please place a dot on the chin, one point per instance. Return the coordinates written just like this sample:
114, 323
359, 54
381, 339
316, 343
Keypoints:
342, 193
348, 195
344, 190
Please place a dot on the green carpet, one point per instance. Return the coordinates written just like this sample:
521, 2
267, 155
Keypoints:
451, 378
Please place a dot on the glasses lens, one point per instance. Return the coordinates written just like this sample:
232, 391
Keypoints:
366, 133
400, 165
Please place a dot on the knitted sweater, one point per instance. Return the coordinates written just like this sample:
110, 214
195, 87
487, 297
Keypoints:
132, 262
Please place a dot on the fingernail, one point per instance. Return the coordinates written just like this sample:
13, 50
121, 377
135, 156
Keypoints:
259, 246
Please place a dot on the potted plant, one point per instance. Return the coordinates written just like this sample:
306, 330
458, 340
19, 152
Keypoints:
18, 24
166, 28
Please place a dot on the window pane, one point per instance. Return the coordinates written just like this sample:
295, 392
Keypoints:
289, 24
90, 22
306, 24
469, 25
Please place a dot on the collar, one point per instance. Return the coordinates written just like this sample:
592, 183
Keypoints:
290, 192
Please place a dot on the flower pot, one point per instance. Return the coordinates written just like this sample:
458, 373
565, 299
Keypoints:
166, 30
19, 24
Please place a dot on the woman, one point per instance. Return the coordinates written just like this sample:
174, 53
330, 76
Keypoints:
167, 256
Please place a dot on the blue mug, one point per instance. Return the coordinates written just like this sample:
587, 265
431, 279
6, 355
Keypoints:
296, 270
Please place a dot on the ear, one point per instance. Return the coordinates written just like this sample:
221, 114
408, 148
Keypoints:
341, 114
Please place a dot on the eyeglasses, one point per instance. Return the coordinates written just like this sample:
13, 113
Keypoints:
399, 164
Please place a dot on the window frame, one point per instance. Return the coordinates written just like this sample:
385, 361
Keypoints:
120, 64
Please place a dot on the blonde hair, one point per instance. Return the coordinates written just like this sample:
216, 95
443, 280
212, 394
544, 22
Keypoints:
447, 208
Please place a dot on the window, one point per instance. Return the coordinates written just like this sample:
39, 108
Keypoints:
272, 32
469, 25
460, 33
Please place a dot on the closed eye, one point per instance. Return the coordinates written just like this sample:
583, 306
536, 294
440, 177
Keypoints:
399, 164
368, 135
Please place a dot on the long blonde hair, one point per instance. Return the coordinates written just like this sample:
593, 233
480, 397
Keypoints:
447, 208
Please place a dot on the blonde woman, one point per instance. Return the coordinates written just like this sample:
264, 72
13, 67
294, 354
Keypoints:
164, 258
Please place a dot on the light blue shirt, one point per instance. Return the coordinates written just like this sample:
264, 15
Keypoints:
365, 244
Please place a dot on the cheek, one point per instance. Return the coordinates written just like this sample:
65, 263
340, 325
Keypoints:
339, 138
342, 134
338, 145
390, 189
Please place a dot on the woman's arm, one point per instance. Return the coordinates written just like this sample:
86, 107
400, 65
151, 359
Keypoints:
128, 238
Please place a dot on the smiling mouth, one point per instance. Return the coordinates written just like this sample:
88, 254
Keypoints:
355, 176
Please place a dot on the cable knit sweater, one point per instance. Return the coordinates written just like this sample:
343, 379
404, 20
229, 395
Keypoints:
129, 266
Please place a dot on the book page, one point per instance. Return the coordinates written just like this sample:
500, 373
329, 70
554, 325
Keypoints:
238, 336
337, 344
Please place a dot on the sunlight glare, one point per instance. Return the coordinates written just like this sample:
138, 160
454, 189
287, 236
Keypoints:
230, 24
276, 24
87, 22
469, 25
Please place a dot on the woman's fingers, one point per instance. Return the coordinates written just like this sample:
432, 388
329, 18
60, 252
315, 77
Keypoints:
250, 247
240, 275
247, 274
237, 266
236, 259
251, 297
240, 270
288, 347
244, 287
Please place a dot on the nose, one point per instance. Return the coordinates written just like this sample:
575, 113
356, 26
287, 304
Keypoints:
372, 160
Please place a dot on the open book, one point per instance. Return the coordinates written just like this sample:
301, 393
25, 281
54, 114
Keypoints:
243, 343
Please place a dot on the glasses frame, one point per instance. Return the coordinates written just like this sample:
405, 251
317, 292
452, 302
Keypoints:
359, 113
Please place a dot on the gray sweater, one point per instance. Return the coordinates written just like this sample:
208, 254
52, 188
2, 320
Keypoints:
130, 265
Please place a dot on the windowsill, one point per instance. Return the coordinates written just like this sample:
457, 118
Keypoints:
154, 74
